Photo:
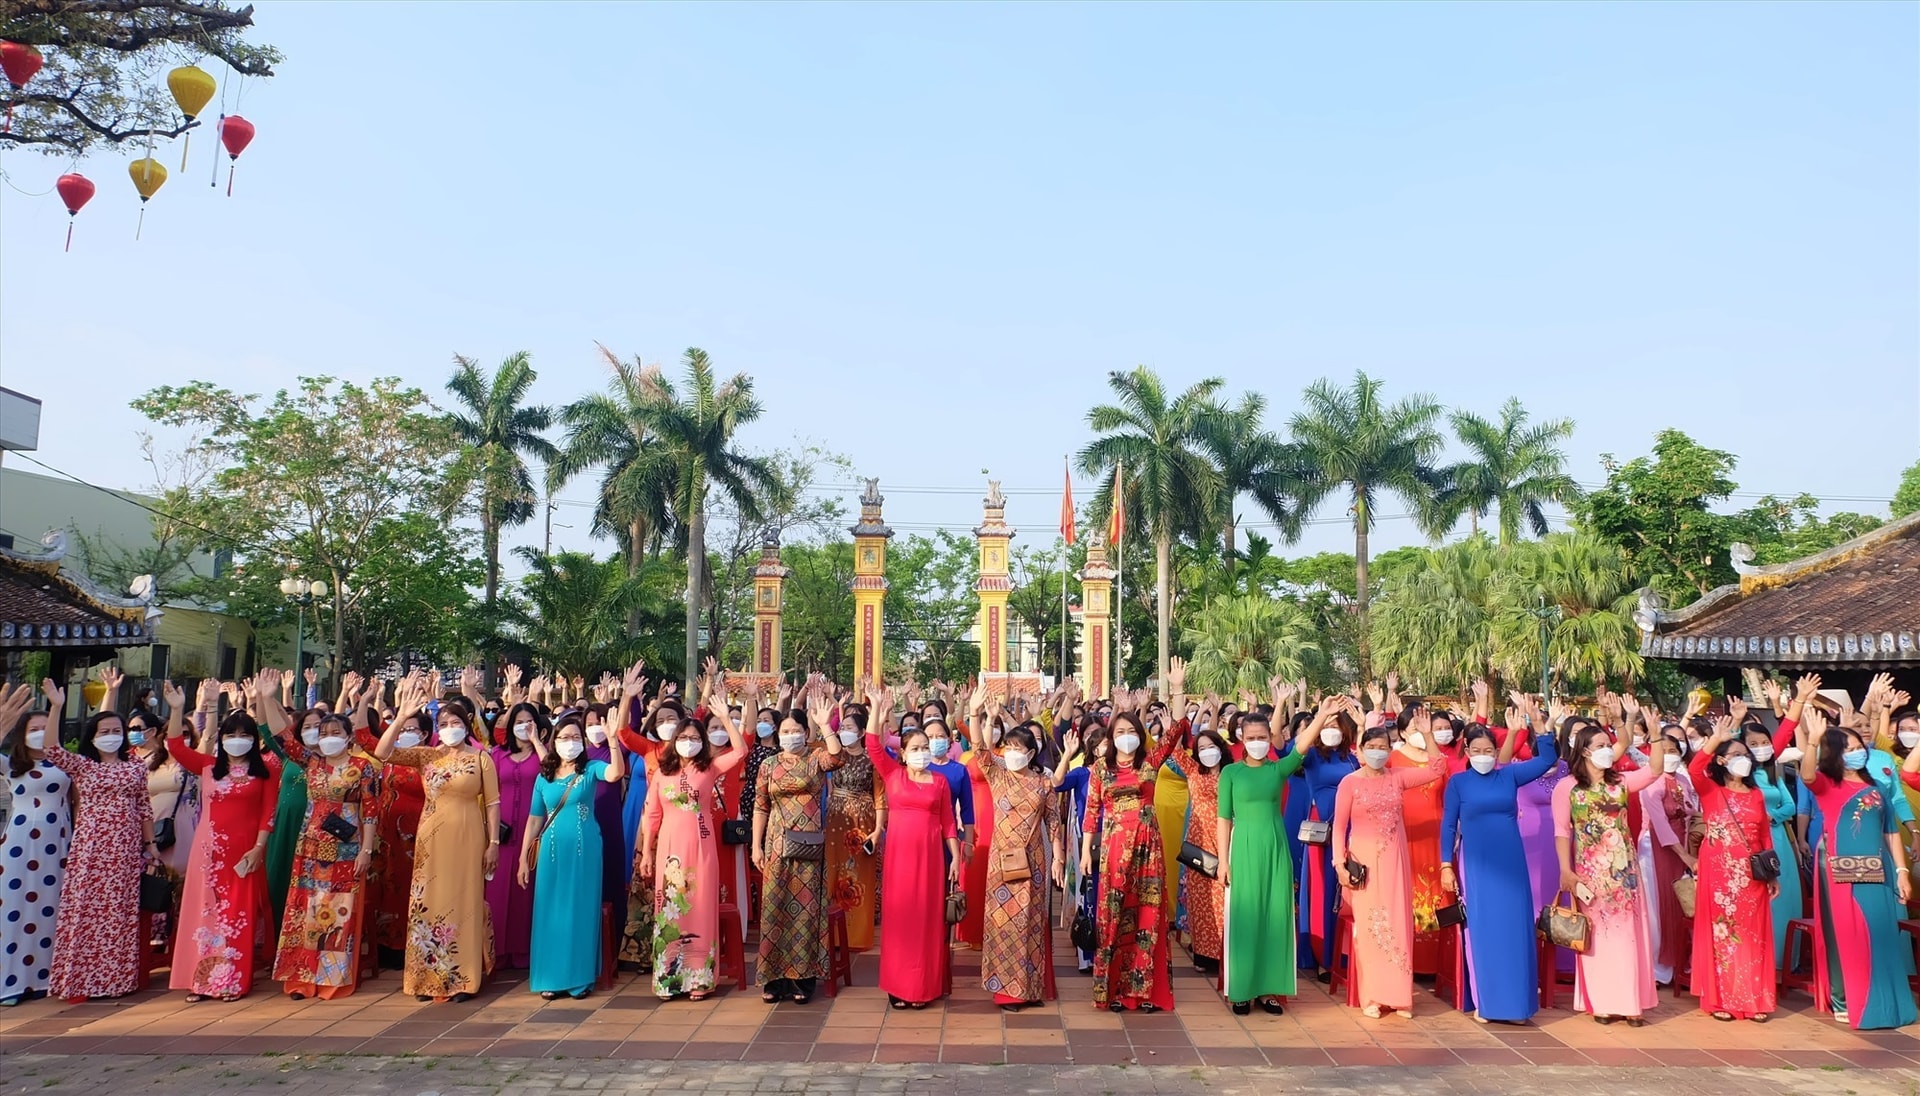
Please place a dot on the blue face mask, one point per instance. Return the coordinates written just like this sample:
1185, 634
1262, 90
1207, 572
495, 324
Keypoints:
1854, 760
939, 746
136, 737
764, 730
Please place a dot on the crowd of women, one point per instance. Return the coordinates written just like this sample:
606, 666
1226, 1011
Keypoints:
1358, 835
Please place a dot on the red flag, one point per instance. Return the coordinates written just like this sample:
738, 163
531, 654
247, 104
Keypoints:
1066, 509
1117, 519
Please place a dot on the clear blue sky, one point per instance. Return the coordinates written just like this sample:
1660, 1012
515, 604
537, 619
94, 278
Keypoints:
930, 231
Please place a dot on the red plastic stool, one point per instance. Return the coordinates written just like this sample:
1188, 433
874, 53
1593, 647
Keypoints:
733, 952
1683, 970
1341, 974
1548, 960
839, 955
612, 928
1814, 982
1450, 982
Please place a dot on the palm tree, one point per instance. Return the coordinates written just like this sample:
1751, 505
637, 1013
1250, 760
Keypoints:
1252, 461
1514, 468
612, 431
1346, 439
497, 431
1240, 642
1171, 484
1588, 584
1434, 623
695, 435
573, 610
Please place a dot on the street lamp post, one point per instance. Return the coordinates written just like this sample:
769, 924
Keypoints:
1545, 614
302, 594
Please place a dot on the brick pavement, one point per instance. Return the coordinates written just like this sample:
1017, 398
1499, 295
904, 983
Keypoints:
350, 1075
627, 1024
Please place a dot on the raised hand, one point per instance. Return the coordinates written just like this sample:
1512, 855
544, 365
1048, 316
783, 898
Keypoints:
1736, 710
112, 678
469, 680
634, 680
56, 696
174, 695
1176, 676
312, 676
1375, 695
14, 702
1805, 688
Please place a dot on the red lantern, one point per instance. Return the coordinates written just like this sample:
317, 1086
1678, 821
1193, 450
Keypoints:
76, 191
236, 133
19, 61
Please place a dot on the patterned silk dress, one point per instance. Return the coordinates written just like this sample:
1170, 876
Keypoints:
97, 946
1016, 964
854, 797
450, 931
1204, 920
793, 895
1131, 923
326, 918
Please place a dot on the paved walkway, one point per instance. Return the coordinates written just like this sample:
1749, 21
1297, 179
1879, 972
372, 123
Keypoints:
628, 1028
329, 1075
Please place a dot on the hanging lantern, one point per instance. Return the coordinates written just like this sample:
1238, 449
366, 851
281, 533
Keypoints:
236, 133
76, 191
192, 90
94, 691
148, 177
19, 61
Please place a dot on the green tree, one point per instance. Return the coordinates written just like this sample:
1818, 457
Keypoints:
572, 611
1658, 511
931, 604
613, 431
1252, 461
696, 434
106, 62
497, 431
419, 579
1589, 584
1349, 441
307, 476
1240, 642
817, 617
1035, 601
1906, 498
1434, 621
1513, 470
1172, 488
1783, 530
796, 507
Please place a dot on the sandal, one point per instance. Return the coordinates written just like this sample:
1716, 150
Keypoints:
194, 998
770, 997
898, 1004
582, 995
803, 998
1636, 1021
1598, 1019
701, 996
462, 998
1723, 1017
229, 999
552, 996
1242, 1008
1760, 1019
1371, 1012
1272, 1007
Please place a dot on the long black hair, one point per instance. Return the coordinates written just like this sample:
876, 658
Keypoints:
240, 723
1580, 740
1833, 744
670, 759
19, 761
541, 728
1215, 737
550, 764
1110, 753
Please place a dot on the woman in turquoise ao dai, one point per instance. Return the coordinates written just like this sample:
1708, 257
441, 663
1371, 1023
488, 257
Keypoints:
560, 856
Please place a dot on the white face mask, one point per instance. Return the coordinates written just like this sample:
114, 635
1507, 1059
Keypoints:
523, 730
1741, 767
919, 760
1671, 763
406, 740
665, 728
597, 735
334, 747
310, 735
1330, 736
109, 743
1762, 753
1482, 763
1210, 755
1375, 759
686, 747
1417, 740
1016, 759
569, 749
718, 738
1258, 748
1444, 736
452, 734
849, 735
792, 741
37, 739
1602, 757
237, 746
1910, 739
1126, 742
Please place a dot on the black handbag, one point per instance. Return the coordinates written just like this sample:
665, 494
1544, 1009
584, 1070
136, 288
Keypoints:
1199, 859
1447, 917
956, 906
338, 828
506, 829
805, 845
1082, 933
1356, 873
1764, 866
164, 834
735, 832
156, 894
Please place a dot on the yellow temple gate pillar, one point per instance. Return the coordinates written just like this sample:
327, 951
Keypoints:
869, 585
769, 582
1096, 618
994, 584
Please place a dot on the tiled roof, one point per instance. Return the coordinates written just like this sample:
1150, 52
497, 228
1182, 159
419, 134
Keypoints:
1856, 604
39, 610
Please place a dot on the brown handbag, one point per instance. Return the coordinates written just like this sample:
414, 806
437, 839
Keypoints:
1685, 890
807, 845
1013, 865
1857, 869
1565, 925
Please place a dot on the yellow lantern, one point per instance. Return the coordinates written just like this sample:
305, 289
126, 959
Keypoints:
95, 691
148, 176
192, 90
